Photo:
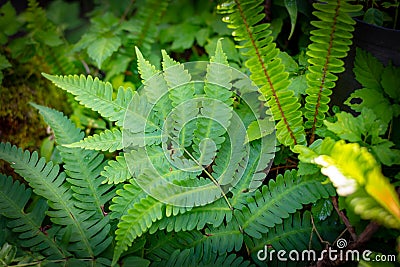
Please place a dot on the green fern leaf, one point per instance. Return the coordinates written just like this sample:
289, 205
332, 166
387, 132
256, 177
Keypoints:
195, 248
330, 42
13, 199
105, 141
267, 71
146, 70
96, 95
83, 168
295, 233
143, 26
212, 214
161, 245
277, 200
217, 114
254, 175
181, 92
116, 172
125, 199
48, 182
138, 219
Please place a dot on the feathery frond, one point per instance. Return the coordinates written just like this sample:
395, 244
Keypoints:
267, 71
330, 42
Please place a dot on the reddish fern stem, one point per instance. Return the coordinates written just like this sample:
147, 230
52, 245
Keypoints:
324, 73
252, 39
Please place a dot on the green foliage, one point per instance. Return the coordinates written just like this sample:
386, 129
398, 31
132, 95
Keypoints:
355, 173
112, 141
380, 87
331, 41
266, 69
96, 95
13, 199
273, 203
175, 172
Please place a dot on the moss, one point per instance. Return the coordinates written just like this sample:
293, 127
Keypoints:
20, 124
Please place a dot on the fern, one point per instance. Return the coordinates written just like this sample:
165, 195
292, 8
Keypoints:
197, 218
116, 172
105, 141
144, 25
331, 41
135, 223
83, 169
276, 201
192, 248
267, 71
96, 95
48, 182
13, 200
295, 233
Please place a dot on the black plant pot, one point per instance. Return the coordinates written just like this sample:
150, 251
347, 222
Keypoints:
383, 43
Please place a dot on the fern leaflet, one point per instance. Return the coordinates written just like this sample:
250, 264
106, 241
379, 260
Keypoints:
105, 141
83, 168
47, 181
96, 95
13, 199
276, 201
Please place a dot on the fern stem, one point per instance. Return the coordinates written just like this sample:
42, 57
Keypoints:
265, 71
211, 178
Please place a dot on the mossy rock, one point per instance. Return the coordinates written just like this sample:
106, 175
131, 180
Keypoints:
20, 123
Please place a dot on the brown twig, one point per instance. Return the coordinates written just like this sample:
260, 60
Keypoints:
363, 238
127, 9
283, 167
267, 9
344, 218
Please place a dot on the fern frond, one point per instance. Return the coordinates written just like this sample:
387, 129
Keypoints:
13, 200
267, 71
330, 42
295, 233
161, 245
216, 107
83, 168
143, 26
116, 172
181, 94
146, 70
276, 201
47, 181
212, 214
188, 257
125, 199
138, 220
204, 248
154, 87
105, 141
96, 95
260, 157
